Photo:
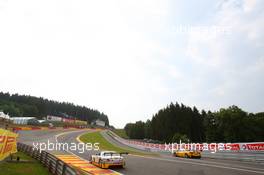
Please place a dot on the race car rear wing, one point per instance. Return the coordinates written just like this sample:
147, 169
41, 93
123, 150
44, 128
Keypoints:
122, 153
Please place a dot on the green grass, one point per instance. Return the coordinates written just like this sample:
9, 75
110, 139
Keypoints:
32, 167
121, 133
96, 137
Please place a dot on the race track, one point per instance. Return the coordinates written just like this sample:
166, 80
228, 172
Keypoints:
162, 164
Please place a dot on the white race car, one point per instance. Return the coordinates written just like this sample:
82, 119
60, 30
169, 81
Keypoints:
106, 159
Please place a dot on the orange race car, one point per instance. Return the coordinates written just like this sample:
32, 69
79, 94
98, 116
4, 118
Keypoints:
187, 154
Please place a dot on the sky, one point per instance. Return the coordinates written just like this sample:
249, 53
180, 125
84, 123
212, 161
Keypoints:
129, 59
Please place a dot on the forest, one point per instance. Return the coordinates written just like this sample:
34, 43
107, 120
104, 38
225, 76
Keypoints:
23, 105
179, 122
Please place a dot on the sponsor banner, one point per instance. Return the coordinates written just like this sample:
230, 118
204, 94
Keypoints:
254, 146
7, 143
54, 118
234, 146
67, 120
81, 122
15, 129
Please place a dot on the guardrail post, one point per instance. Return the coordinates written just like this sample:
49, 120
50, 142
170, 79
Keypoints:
46, 159
34, 153
31, 152
41, 156
56, 165
63, 169
24, 148
49, 166
28, 150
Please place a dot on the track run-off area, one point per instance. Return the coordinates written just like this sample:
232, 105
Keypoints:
163, 164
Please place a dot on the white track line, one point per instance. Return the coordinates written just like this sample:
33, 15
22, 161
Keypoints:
220, 164
170, 160
202, 164
56, 139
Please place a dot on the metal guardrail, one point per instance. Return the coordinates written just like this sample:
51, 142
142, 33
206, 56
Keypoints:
242, 156
253, 156
54, 165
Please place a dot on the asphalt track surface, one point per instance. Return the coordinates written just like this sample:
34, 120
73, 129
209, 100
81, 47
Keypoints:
139, 165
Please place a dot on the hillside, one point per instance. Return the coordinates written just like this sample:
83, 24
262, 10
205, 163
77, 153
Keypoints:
179, 122
24, 105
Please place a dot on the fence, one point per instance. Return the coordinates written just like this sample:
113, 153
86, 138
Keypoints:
54, 165
255, 156
239, 151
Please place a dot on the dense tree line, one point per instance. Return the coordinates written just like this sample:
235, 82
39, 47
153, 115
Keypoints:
179, 122
24, 105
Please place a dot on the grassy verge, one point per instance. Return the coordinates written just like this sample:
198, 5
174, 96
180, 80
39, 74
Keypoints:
121, 133
32, 167
96, 137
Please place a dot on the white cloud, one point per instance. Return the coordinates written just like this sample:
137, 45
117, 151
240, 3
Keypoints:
123, 57
93, 53
231, 56
249, 5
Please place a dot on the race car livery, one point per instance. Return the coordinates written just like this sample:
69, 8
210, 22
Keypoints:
106, 159
187, 154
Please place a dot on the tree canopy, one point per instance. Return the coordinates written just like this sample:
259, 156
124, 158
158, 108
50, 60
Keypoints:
24, 105
179, 122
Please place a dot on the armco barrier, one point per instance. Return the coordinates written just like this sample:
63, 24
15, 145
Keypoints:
54, 165
239, 151
30, 128
256, 156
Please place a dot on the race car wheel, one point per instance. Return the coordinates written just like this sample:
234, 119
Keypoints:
186, 156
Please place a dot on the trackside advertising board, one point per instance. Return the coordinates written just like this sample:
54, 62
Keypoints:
7, 143
254, 146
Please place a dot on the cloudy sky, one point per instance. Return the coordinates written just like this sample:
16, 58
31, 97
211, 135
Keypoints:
128, 59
